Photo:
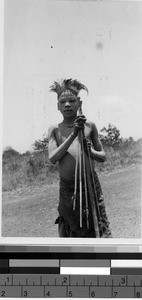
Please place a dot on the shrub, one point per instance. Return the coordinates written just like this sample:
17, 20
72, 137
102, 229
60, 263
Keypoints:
110, 136
35, 168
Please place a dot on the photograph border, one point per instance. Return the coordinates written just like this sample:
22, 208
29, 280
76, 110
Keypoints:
89, 242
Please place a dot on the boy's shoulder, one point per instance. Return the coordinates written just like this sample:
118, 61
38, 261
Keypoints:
52, 128
90, 124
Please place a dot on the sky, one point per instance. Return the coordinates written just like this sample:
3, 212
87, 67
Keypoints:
97, 42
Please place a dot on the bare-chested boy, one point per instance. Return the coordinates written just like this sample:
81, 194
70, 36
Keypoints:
63, 148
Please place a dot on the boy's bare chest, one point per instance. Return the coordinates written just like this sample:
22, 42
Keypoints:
64, 132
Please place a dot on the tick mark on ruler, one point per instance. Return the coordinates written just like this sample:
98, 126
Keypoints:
112, 282
98, 281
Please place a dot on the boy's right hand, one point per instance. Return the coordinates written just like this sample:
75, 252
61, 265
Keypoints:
79, 124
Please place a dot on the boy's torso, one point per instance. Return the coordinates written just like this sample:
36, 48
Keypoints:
68, 162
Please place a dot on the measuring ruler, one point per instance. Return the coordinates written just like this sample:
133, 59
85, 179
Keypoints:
113, 274
70, 286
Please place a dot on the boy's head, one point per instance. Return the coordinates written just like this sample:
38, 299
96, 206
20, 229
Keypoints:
68, 104
67, 93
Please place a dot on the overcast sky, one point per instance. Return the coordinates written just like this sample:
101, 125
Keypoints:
96, 42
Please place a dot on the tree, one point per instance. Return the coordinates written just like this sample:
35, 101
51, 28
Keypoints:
110, 136
10, 152
41, 145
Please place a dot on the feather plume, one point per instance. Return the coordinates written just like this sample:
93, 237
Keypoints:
77, 85
56, 87
68, 84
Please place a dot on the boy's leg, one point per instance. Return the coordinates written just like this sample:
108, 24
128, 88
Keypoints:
105, 223
63, 229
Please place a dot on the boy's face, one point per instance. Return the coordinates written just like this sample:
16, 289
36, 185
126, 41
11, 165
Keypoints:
68, 106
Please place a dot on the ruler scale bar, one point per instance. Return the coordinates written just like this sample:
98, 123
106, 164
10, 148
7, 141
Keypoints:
4, 263
126, 263
89, 280
74, 292
71, 270
85, 263
114, 275
80, 270
130, 248
30, 270
126, 271
71, 255
55, 263
75, 286
33, 263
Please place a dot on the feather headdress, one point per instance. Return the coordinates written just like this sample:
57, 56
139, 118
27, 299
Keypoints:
68, 85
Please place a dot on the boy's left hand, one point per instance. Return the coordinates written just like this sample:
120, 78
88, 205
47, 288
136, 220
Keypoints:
81, 119
79, 124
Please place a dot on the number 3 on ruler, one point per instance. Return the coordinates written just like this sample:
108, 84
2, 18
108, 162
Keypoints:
25, 294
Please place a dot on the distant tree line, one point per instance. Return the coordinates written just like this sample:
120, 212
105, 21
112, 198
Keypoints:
42, 144
33, 167
110, 136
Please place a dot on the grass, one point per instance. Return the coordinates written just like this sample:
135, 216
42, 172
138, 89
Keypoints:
121, 156
27, 169
30, 192
32, 211
30, 169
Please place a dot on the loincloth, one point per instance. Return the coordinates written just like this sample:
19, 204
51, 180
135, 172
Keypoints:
71, 218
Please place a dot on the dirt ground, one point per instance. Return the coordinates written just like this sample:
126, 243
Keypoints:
31, 212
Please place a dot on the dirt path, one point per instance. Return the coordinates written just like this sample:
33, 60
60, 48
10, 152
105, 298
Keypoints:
31, 212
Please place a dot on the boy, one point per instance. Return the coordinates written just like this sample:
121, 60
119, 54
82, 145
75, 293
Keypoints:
63, 148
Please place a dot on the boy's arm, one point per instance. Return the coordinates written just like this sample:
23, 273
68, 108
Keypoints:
97, 153
56, 153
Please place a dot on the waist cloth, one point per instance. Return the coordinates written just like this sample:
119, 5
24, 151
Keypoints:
69, 219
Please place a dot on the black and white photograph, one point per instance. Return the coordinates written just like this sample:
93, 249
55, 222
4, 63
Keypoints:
72, 138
